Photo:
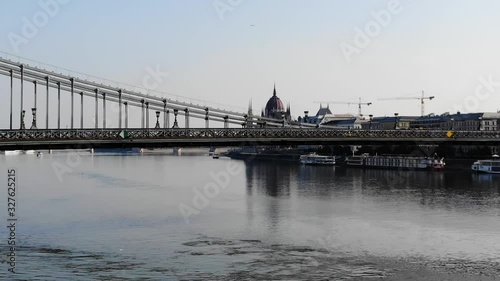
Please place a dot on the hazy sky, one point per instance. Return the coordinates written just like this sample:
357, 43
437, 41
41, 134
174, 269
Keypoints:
231, 51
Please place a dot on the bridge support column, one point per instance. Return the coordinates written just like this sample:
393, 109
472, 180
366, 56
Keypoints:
147, 115
22, 96
157, 126
119, 109
33, 123
226, 118
11, 94
142, 114
104, 110
72, 80
47, 105
81, 110
58, 105
126, 114
96, 108
186, 116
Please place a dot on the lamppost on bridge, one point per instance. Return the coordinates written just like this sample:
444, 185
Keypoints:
186, 116
147, 115
166, 118
396, 121
157, 120
371, 120
176, 125
126, 114
23, 126
206, 118
33, 123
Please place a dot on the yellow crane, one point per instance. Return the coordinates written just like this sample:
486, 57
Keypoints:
421, 98
359, 104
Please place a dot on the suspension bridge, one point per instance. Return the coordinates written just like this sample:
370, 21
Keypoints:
247, 129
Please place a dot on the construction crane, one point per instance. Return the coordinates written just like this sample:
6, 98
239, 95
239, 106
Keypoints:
421, 98
359, 104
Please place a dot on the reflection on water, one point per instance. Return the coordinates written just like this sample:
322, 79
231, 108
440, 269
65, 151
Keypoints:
118, 218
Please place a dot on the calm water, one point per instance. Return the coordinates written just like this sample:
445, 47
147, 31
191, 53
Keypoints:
119, 218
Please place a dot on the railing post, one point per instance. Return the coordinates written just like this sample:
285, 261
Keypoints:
47, 105
120, 109
11, 94
22, 95
96, 108
72, 80
81, 110
58, 105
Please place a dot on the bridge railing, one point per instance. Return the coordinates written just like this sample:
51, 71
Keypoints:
245, 133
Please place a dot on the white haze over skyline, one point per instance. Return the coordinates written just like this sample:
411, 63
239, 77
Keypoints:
231, 51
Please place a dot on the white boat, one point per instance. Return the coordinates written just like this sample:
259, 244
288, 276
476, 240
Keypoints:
395, 162
315, 159
491, 166
11, 152
29, 152
215, 155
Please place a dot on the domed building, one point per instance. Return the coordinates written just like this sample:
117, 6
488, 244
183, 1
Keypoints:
275, 108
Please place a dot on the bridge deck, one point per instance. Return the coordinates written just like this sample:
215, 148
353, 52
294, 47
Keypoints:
96, 138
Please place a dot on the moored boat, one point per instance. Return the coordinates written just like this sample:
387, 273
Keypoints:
396, 162
315, 159
491, 166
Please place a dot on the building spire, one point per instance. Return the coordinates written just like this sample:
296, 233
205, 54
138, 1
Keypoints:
274, 92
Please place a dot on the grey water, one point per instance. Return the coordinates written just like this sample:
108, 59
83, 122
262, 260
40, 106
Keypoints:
112, 217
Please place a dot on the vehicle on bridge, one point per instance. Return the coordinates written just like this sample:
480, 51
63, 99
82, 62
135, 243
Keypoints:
395, 162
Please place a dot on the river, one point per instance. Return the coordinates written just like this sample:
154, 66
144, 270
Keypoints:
166, 217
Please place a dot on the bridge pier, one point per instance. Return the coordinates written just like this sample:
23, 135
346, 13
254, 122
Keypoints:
11, 94
81, 110
58, 105
47, 105
22, 96
72, 80
96, 108
104, 110
186, 116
